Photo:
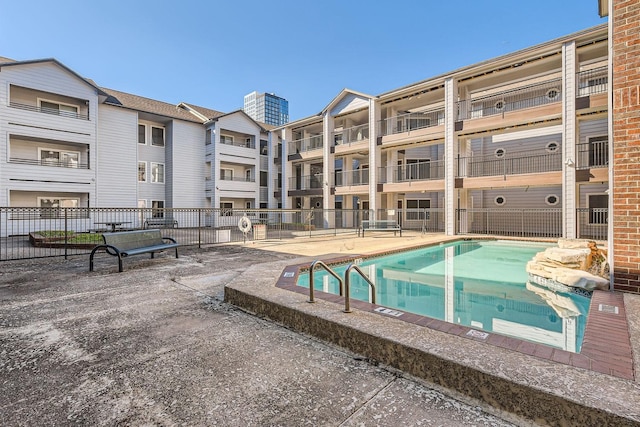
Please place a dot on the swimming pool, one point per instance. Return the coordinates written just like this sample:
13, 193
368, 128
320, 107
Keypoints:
479, 284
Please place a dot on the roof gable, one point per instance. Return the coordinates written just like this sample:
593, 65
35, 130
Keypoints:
347, 100
12, 63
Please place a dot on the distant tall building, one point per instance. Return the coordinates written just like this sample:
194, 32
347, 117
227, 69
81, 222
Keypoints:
267, 108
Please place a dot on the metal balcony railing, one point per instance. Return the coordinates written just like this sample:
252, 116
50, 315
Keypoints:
510, 164
422, 171
591, 82
511, 100
306, 182
234, 142
237, 178
52, 111
353, 177
593, 154
50, 162
305, 144
593, 223
351, 135
411, 121
510, 222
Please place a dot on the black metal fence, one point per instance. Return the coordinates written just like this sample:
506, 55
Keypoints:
50, 232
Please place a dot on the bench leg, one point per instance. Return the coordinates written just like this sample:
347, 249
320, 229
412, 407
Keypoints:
176, 252
119, 263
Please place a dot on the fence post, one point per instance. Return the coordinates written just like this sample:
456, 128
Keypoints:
199, 228
66, 236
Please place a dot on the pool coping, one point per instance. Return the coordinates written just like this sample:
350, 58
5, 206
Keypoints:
606, 345
525, 389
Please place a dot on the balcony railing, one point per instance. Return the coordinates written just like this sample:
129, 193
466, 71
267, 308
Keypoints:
50, 162
593, 223
237, 178
306, 182
510, 164
411, 121
305, 144
235, 143
351, 135
52, 111
423, 171
354, 177
593, 154
591, 82
510, 222
511, 100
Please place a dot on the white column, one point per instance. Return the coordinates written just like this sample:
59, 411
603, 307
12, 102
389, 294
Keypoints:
450, 155
569, 197
328, 170
287, 169
375, 157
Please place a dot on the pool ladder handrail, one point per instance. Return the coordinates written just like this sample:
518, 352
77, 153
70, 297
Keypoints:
328, 270
347, 275
343, 284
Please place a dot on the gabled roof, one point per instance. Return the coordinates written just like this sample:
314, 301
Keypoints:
11, 62
147, 105
341, 95
260, 125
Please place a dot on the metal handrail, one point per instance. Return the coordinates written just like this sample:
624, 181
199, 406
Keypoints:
328, 270
352, 266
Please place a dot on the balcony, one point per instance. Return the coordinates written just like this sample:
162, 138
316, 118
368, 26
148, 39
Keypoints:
593, 223
351, 135
593, 154
304, 145
506, 101
311, 184
524, 162
423, 171
411, 121
236, 142
592, 82
350, 178
48, 110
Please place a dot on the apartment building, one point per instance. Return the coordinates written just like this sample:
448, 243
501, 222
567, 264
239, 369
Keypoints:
267, 108
517, 145
66, 142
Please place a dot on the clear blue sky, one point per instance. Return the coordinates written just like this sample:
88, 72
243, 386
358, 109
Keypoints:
212, 53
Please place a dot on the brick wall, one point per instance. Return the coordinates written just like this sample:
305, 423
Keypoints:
626, 139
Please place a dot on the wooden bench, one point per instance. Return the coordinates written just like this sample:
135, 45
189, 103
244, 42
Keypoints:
127, 243
380, 225
160, 222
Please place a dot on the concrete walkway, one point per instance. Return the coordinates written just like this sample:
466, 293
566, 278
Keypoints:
155, 345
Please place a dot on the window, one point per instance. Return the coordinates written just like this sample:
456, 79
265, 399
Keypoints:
226, 174
226, 208
53, 157
416, 208
247, 205
553, 94
226, 139
157, 136
157, 208
247, 175
142, 171
157, 173
500, 200
552, 147
247, 142
142, 134
53, 107
264, 178
50, 206
598, 208
207, 138
551, 200
264, 147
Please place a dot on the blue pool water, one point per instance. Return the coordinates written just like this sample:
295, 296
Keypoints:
479, 284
